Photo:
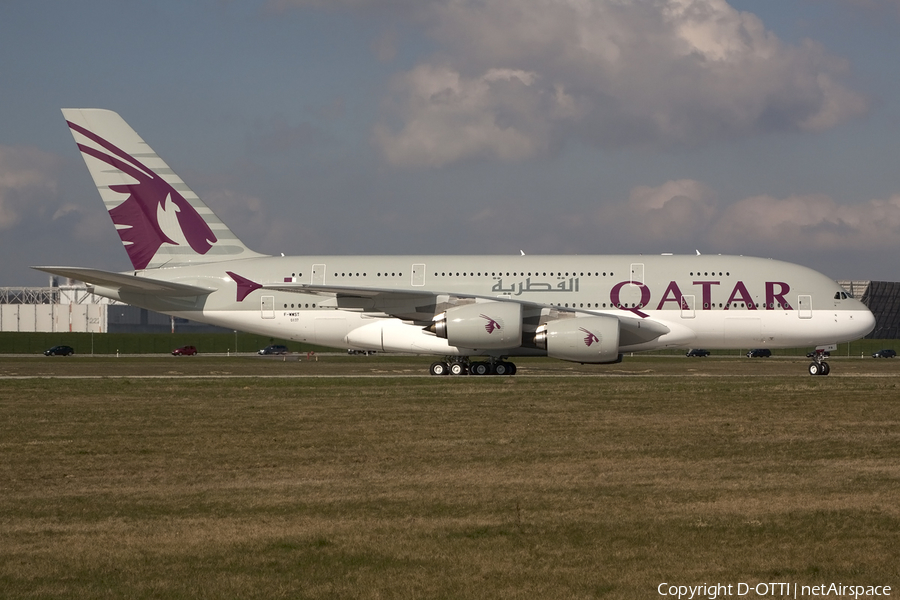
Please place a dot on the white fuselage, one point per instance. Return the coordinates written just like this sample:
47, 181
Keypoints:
703, 301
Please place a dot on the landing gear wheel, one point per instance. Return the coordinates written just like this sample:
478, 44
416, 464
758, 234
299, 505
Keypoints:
820, 367
505, 368
439, 368
458, 368
479, 368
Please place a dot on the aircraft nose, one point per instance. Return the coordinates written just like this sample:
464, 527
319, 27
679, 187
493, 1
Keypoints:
864, 320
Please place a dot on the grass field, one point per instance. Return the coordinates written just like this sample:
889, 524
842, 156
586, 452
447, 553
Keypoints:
258, 478
29, 343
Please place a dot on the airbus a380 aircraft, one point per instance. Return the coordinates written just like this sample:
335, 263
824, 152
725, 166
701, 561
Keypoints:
586, 309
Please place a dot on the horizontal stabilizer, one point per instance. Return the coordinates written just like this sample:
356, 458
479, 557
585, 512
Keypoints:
127, 283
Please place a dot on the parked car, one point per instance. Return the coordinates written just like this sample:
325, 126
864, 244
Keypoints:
814, 353
185, 351
274, 349
886, 353
759, 353
697, 352
59, 351
352, 352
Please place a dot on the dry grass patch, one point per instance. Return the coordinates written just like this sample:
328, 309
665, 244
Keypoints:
444, 488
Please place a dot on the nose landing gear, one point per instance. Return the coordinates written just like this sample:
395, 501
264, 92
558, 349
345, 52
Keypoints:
819, 366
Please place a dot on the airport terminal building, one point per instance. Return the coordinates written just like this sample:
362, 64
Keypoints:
68, 306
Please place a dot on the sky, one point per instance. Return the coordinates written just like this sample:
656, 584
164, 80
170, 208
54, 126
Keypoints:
765, 128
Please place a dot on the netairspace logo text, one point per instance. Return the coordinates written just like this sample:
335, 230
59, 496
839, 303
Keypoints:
779, 589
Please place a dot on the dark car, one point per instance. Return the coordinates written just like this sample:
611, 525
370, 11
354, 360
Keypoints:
886, 353
185, 351
697, 352
815, 353
274, 349
759, 353
59, 351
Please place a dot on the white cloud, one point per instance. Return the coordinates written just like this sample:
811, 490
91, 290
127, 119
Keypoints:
608, 73
446, 117
685, 206
813, 221
27, 180
670, 215
686, 213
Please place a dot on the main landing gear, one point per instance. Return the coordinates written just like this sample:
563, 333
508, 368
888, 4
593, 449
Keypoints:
460, 365
819, 366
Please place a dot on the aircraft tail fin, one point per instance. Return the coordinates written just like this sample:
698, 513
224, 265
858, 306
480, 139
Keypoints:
160, 220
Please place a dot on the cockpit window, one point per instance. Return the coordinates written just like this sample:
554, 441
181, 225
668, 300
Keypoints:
841, 295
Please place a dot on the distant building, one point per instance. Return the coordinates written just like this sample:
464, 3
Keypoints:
123, 318
67, 306
53, 309
883, 299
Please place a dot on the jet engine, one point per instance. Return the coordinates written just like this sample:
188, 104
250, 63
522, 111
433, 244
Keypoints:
485, 325
592, 340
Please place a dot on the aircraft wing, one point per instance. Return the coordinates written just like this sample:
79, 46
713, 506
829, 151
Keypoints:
421, 306
411, 305
126, 283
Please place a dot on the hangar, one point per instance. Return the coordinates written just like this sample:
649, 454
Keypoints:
67, 306
883, 299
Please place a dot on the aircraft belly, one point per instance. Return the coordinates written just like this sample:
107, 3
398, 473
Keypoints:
393, 335
330, 328
709, 329
284, 326
744, 330
678, 336
771, 329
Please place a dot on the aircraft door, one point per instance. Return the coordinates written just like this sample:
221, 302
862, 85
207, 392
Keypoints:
418, 275
318, 275
804, 305
687, 307
637, 273
267, 307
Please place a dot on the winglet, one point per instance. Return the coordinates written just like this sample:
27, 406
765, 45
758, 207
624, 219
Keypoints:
244, 286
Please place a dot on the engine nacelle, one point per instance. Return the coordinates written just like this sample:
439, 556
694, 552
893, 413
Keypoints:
485, 325
586, 340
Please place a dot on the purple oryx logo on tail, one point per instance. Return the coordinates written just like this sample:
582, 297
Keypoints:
138, 214
491, 324
590, 338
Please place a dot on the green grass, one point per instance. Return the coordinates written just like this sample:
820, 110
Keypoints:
562, 482
141, 343
163, 343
